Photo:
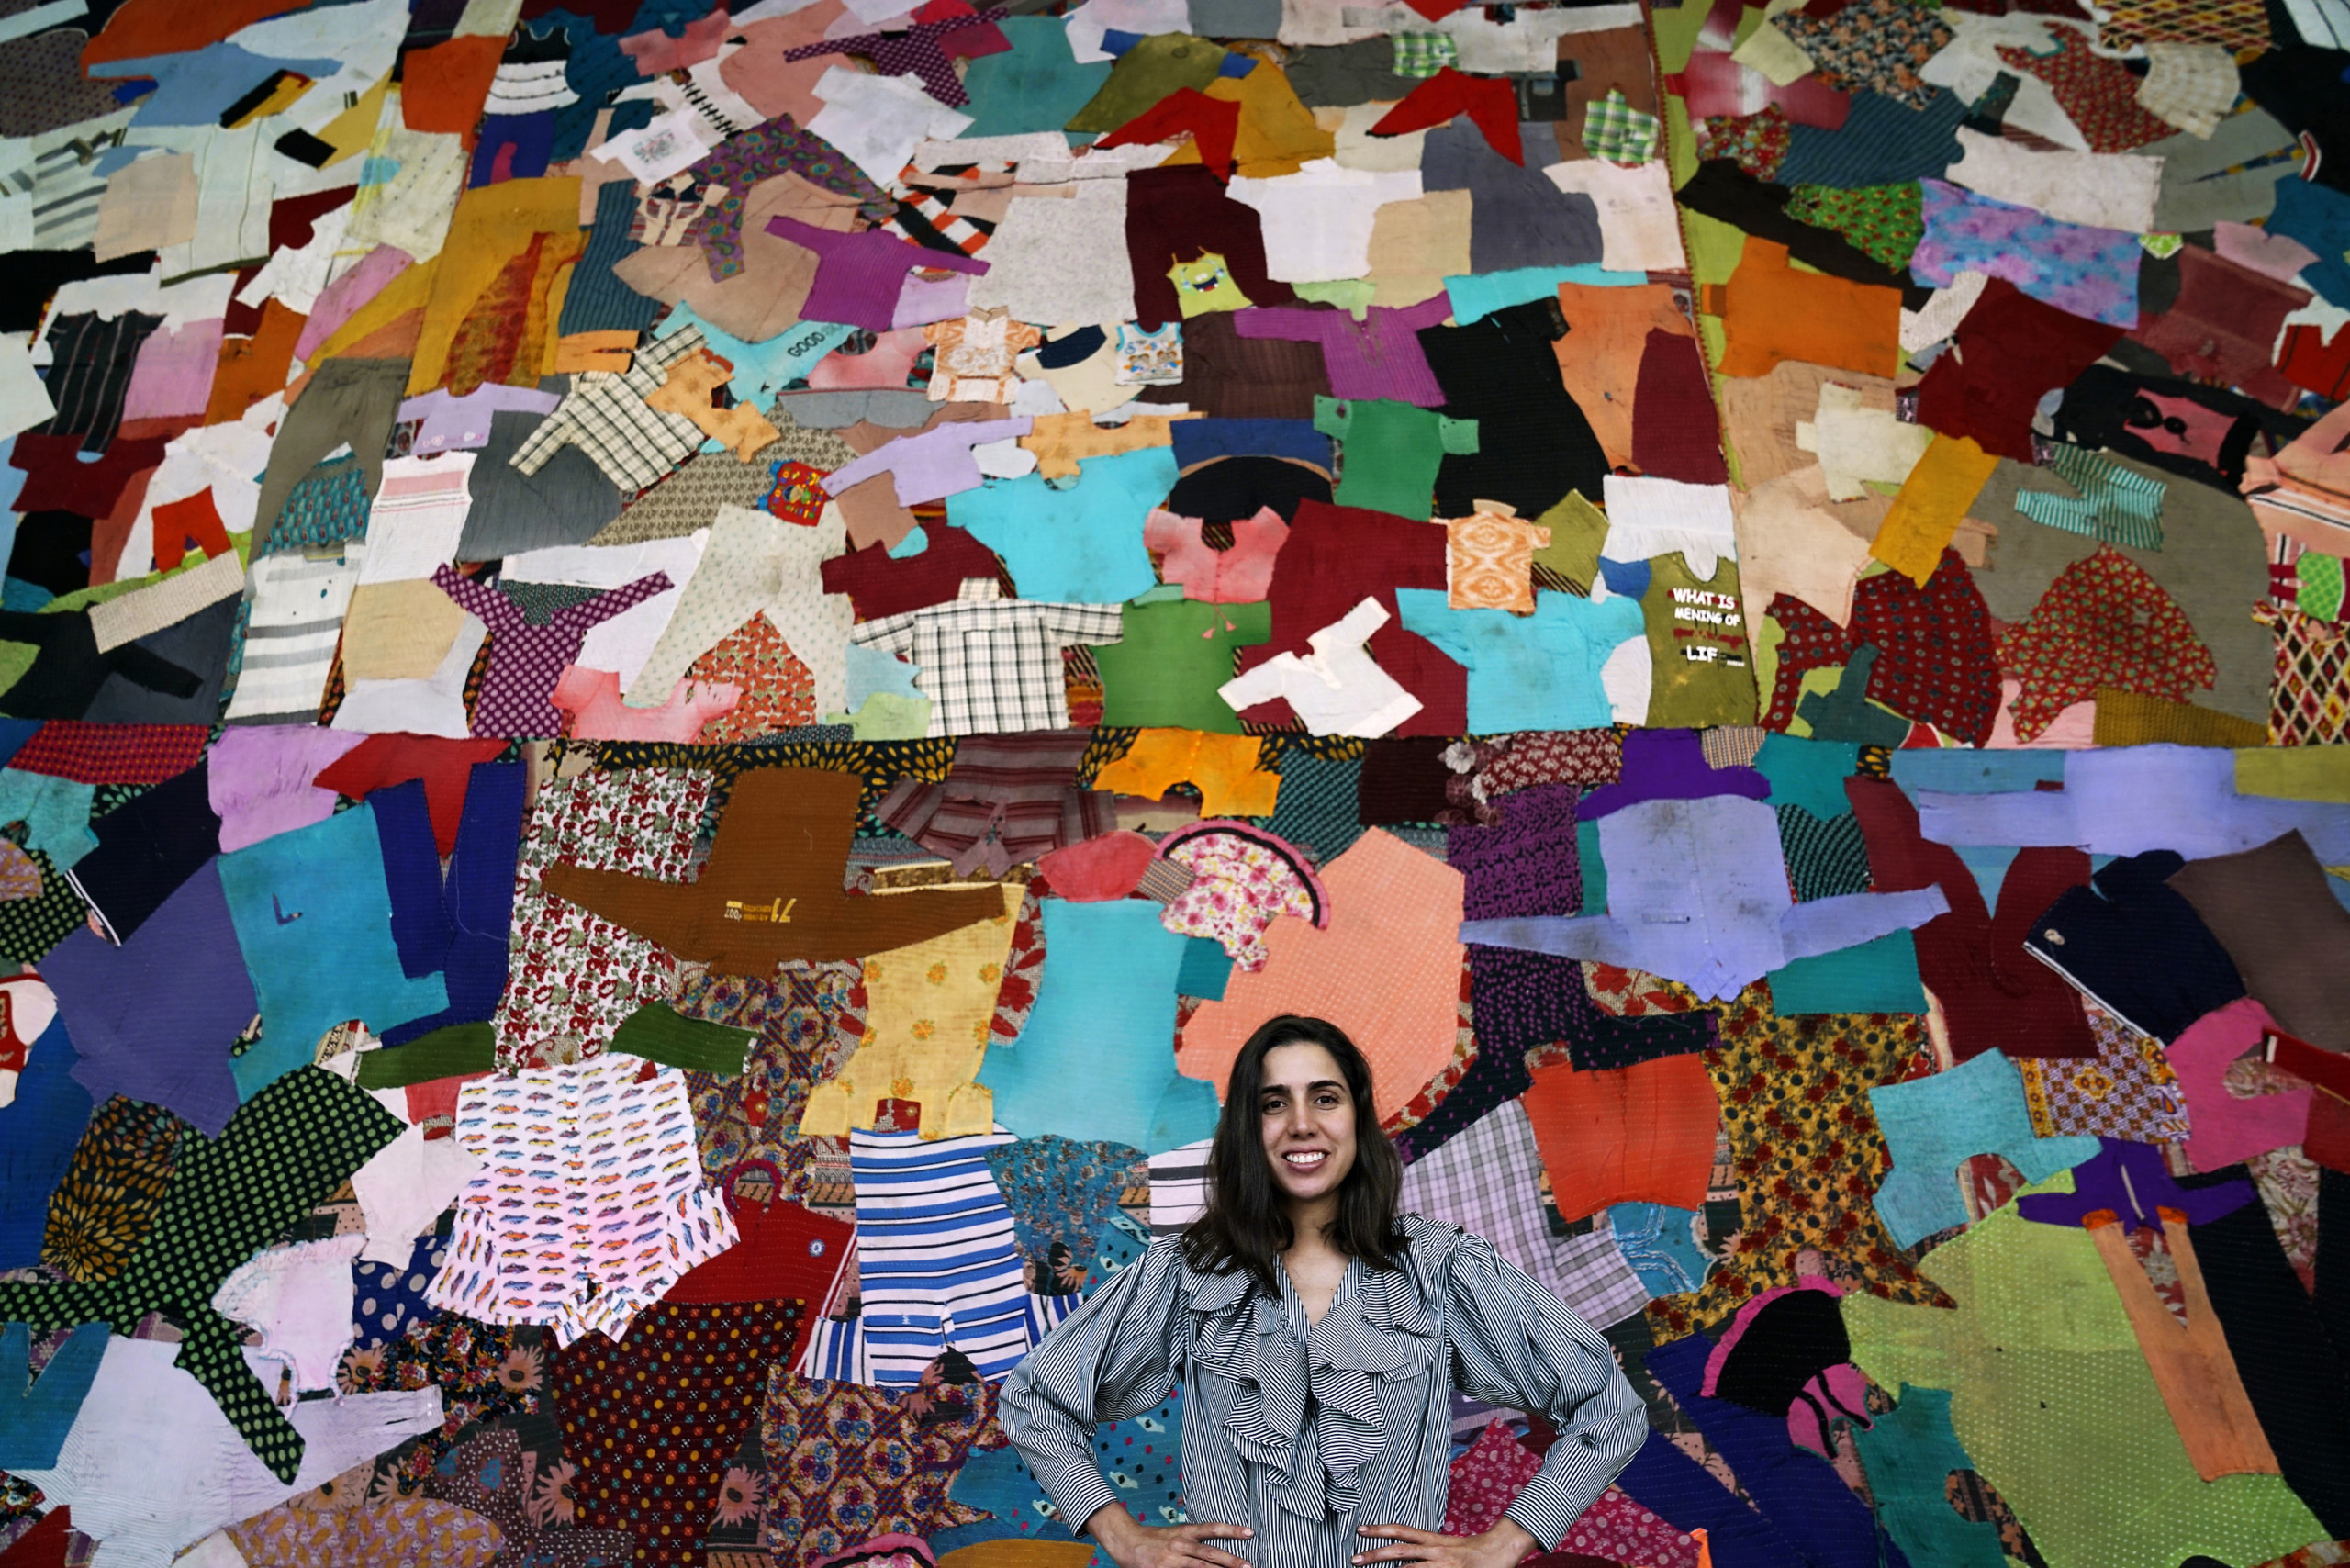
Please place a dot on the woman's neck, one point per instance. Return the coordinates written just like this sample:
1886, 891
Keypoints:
1310, 1224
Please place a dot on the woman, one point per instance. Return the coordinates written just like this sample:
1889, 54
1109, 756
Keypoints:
1319, 1339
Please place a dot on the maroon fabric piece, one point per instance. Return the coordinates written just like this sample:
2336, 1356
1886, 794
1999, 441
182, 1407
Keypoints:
2224, 325
111, 754
1337, 556
1936, 664
879, 585
1174, 215
2011, 350
1995, 995
1672, 414
57, 480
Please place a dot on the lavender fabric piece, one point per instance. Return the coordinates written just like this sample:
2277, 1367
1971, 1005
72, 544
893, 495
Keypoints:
933, 464
454, 423
2128, 800
2131, 1180
153, 1019
1697, 892
260, 779
1670, 764
1527, 863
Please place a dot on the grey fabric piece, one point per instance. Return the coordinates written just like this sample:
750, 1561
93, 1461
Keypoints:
837, 410
353, 401
2240, 138
201, 643
1342, 75
564, 503
1237, 18
2199, 205
2213, 563
1517, 218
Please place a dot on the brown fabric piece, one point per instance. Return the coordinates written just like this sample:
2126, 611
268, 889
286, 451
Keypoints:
2132, 717
1227, 376
777, 855
1760, 414
1617, 59
764, 297
2271, 909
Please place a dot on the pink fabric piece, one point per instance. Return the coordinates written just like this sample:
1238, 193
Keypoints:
1715, 84
1839, 1388
174, 376
2279, 257
657, 54
2223, 1128
885, 366
1109, 867
924, 300
1242, 575
260, 775
1485, 1481
340, 299
592, 698
2073, 728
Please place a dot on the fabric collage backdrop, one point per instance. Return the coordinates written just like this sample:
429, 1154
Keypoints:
677, 675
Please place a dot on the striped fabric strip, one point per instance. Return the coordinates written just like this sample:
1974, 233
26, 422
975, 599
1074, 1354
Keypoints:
1178, 1187
2116, 504
292, 630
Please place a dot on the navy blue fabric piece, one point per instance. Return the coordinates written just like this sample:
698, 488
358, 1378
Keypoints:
1669, 1484
37, 1136
1198, 441
1796, 1490
1884, 143
597, 301
455, 928
531, 136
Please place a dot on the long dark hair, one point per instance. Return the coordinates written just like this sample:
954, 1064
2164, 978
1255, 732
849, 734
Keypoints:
1245, 1225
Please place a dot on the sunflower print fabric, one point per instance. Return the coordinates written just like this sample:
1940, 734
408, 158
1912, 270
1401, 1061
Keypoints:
106, 1203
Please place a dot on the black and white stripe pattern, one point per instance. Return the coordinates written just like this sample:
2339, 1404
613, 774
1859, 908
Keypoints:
91, 359
1307, 1434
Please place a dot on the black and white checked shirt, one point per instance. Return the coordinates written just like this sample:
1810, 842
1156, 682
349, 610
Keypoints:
990, 665
605, 415
1309, 1434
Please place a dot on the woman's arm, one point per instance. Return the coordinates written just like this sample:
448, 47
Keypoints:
1115, 1358
1515, 1344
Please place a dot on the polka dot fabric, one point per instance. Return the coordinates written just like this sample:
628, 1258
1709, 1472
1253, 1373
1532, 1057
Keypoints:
387, 1295
652, 1421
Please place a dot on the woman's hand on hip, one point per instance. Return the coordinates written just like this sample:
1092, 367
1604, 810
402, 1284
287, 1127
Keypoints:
1504, 1546
1134, 1545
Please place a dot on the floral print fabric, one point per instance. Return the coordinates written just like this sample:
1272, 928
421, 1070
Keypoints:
2126, 1091
108, 1202
2102, 622
847, 1462
483, 1373
1874, 44
1240, 885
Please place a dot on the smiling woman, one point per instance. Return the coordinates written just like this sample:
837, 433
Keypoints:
1318, 1337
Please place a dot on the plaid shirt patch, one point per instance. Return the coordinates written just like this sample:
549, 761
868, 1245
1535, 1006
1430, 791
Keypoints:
606, 416
1425, 54
1614, 130
993, 666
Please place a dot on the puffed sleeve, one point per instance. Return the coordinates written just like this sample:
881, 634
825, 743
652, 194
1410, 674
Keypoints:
1515, 1344
1116, 1357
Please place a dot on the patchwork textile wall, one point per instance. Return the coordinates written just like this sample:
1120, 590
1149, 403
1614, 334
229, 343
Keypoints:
677, 676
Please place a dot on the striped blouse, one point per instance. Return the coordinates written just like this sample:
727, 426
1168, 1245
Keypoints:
1307, 1434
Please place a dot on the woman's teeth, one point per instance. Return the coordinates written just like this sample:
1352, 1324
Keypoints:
1304, 1159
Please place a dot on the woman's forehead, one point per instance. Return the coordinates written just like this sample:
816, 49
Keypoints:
1300, 1063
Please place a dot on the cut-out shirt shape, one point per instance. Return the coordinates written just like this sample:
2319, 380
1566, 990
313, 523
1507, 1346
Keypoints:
2100, 937
930, 465
1529, 672
2103, 622
1931, 1124
299, 1298
859, 277
1337, 689
1105, 1010
1697, 892
1244, 878
1241, 575
1379, 356
771, 888
446, 766
2130, 1181
308, 1131
525, 661
1082, 544
990, 665
592, 698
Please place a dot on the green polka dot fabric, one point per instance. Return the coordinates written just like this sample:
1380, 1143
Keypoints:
283, 1153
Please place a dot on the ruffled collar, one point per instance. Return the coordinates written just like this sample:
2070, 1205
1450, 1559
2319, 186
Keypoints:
1380, 1324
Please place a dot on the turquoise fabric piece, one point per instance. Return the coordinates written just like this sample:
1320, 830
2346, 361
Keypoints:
1038, 86
1809, 774
1964, 772
1081, 546
1872, 977
1909, 1455
35, 1415
55, 812
765, 366
1529, 672
1657, 1240
1096, 1062
913, 543
314, 917
1139, 1456
1595, 867
1477, 296
1933, 1124
1207, 970
877, 669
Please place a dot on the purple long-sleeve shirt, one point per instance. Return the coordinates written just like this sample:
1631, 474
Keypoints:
1377, 357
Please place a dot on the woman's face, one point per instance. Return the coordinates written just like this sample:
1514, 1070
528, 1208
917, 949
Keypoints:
1307, 1121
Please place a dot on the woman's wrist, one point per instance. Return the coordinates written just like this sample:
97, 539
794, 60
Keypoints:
1108, 1524
1507, 1531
